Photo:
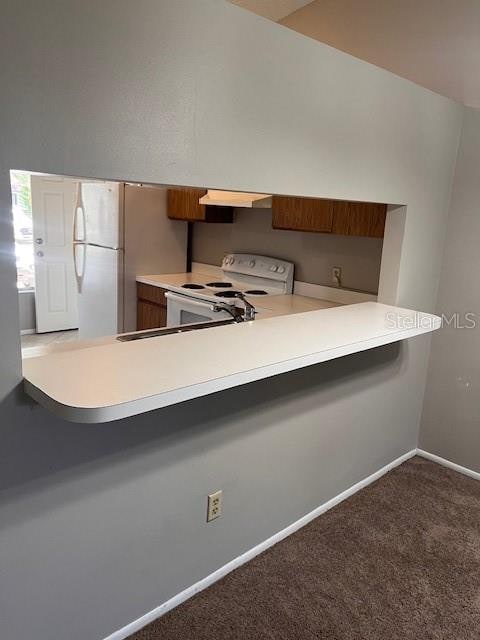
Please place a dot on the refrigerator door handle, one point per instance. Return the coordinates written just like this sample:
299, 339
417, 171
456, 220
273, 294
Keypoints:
79, 207
79, 273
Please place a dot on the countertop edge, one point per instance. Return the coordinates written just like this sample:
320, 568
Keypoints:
101, 414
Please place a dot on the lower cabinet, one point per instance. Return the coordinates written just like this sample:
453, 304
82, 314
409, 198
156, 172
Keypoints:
150, 316
151, 307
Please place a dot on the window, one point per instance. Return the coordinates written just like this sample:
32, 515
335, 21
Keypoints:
23, 229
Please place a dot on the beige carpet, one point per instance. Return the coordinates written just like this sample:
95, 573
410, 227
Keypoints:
399, 560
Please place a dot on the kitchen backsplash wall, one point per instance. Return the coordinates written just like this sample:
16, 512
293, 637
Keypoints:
314, 254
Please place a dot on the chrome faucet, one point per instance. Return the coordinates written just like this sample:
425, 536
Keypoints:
236, 313
249, 313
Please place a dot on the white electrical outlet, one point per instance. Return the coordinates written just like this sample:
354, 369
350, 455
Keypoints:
337, 276
214, 509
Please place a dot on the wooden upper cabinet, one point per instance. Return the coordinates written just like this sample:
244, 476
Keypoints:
302, 214
359, 219
329, 216
182, 204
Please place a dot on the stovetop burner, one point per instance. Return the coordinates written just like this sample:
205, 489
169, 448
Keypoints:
219, 285
227, 294
192, 286
256, 292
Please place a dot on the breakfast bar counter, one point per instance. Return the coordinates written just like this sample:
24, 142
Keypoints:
110, 381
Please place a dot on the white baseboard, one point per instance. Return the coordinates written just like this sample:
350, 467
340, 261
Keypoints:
451, 465
27, 332
187, 593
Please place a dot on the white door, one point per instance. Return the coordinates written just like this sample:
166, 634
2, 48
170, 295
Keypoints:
53, 205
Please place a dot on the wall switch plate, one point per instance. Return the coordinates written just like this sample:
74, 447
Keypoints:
214, 509
337, 276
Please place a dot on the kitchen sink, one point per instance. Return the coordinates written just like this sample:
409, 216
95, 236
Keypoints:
167, 331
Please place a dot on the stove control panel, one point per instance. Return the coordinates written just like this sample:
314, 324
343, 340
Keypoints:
279, 271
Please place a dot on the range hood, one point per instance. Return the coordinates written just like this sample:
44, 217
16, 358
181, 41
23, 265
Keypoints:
236, 199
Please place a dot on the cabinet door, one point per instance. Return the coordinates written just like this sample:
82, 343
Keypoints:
150, 316
149, 293
182, 204
359, 219
302, 214
151, 307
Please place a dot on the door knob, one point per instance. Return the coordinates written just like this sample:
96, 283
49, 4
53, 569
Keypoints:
40, 254
39, 240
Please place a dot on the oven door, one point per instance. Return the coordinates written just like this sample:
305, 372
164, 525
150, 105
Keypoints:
184, 310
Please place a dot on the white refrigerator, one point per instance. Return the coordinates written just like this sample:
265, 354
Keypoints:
120, 231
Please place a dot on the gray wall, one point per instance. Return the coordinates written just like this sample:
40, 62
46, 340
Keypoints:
314, 254
451, 416
26, 310
101, 523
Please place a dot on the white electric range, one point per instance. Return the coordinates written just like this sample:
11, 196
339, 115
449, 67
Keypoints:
196, 297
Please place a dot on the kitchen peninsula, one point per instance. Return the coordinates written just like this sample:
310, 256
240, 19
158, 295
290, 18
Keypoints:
119, 379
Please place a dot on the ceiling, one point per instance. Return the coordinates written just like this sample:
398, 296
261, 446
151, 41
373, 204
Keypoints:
273, 9
435, 43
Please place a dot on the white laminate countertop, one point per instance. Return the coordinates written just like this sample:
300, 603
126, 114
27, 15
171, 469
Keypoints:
119, 379
270, 305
